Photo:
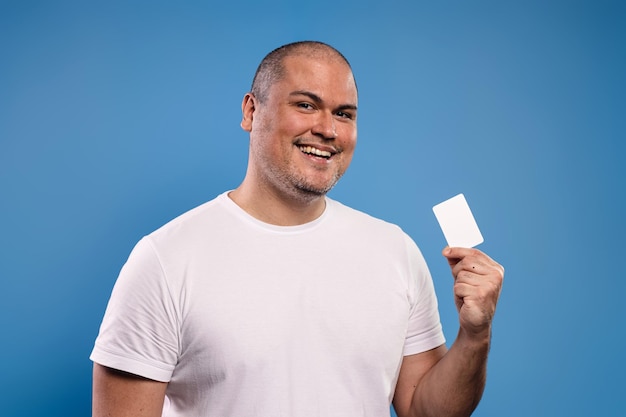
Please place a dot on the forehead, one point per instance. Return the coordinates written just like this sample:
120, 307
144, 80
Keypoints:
327, 76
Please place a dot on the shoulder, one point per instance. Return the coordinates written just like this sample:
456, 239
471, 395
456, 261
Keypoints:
191, 230
195, 219
372, 230
353, 218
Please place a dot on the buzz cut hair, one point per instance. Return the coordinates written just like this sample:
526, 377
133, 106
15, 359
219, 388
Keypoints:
271, 69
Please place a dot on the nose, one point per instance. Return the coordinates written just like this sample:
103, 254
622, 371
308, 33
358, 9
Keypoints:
325, 126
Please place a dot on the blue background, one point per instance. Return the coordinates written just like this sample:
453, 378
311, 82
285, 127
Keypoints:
117, 116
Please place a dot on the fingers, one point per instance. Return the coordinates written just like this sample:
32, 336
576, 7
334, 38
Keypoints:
477, 285
472, 261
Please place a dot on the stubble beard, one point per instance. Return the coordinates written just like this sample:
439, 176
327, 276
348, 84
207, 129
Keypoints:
300, 188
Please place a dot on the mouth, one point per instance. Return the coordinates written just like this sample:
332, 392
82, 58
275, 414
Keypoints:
311, 150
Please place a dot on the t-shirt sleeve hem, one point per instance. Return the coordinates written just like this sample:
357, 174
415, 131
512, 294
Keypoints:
162, 373
424, 345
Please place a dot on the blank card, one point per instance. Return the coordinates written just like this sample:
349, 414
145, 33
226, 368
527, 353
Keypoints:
457, 223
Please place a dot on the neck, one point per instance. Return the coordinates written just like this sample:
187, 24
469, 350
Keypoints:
275, 208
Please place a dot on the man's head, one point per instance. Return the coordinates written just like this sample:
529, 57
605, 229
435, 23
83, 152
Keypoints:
301, 115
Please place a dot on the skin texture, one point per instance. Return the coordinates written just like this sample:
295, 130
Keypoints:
314, 105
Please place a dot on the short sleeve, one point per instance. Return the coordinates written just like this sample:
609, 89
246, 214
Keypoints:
139, 332
424, 329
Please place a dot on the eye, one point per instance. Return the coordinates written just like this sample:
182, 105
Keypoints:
305, 105
345, 115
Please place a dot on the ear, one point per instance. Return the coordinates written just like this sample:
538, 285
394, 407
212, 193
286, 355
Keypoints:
247, 111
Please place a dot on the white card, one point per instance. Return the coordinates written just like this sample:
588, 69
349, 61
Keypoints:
457, 223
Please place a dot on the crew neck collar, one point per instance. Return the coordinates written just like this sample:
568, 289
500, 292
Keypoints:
235, 209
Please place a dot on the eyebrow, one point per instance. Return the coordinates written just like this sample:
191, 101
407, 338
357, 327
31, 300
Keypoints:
318, 100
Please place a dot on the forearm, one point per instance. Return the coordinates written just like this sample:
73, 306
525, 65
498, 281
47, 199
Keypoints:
454, 386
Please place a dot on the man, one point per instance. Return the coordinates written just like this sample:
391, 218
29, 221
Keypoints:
274, 300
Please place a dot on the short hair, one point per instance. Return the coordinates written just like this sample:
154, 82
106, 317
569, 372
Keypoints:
271, 68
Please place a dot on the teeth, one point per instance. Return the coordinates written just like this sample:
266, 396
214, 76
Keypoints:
314, 151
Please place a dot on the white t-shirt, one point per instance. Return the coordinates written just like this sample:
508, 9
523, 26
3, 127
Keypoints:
244, 318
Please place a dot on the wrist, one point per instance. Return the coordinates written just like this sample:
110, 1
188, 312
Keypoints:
474, 339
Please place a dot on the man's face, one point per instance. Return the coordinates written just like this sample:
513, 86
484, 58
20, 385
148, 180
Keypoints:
302, 137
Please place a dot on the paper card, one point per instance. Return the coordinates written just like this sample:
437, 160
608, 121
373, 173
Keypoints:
457, 223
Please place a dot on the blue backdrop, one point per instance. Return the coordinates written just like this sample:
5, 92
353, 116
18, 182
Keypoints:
116, 117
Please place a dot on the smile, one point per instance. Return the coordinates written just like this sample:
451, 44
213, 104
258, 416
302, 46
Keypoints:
309, 150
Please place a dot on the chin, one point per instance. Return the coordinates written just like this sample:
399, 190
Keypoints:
316, 191
310, 190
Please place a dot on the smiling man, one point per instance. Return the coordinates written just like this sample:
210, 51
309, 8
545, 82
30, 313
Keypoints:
274, 300
302, 134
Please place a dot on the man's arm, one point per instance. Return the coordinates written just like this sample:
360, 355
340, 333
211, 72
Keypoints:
450, 383
120, 394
